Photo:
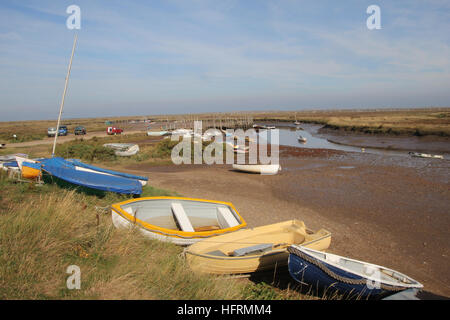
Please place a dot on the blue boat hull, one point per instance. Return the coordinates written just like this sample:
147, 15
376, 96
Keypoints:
308, 273
65, 171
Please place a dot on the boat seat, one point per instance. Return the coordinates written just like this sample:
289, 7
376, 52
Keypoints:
181, 217
226, 218
259, 248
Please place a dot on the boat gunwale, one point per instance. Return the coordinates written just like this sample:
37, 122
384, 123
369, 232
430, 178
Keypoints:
176, 233
416, 283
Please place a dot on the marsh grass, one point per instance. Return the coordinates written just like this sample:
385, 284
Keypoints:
418, 122
45, 229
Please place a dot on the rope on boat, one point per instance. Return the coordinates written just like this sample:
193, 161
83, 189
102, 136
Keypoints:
332, 274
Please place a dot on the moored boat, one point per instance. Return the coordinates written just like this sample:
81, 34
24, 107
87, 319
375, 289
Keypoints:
182, 221
301, 139
253, 250
356, 279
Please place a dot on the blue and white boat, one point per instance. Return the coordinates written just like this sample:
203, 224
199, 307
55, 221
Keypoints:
331, 274
76, 173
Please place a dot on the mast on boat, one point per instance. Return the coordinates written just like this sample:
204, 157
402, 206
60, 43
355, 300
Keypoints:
64, 94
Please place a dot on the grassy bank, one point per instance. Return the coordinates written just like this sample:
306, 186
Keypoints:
418, 122
45, 229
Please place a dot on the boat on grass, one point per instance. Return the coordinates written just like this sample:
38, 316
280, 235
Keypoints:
157, 133
258, 168
356, 279
426, 155
123, 149
253, 250
72, 173
81, 166
182, 221
31, 170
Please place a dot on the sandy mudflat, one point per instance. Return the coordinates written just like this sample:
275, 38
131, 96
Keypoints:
391, 211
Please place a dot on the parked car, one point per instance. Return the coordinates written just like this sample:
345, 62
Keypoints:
113, 130
63, 131
51, 132
80, 130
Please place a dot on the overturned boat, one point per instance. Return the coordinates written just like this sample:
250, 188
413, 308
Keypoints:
157, 133
425, 155
74, 173
123, 149
334, 273
258, 168
81, 166
253, 250
182, 221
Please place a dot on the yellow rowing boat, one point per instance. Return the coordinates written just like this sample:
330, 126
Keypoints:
251, 250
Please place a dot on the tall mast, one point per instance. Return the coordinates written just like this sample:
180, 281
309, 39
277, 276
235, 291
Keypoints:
64, 94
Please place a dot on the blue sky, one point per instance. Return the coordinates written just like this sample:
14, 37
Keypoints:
182, 56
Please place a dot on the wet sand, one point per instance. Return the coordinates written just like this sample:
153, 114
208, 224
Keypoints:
385, 210
434, 144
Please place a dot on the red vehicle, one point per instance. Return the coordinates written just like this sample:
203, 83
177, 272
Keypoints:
113, 130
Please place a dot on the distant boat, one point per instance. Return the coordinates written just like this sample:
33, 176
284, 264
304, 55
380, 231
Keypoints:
296, 122
425, 155
238, 148
182, 221
2, 145
185, 133
301, 139
253, 250
258, 168
331, 272
123, 149
157, 133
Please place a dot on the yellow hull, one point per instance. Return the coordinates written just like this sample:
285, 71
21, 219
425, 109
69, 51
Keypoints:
30, 173
218, 256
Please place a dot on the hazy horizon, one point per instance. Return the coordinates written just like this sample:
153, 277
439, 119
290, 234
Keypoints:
179, 57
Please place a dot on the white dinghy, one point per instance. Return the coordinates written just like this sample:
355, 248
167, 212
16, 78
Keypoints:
258, 168
123, 149
182, 221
